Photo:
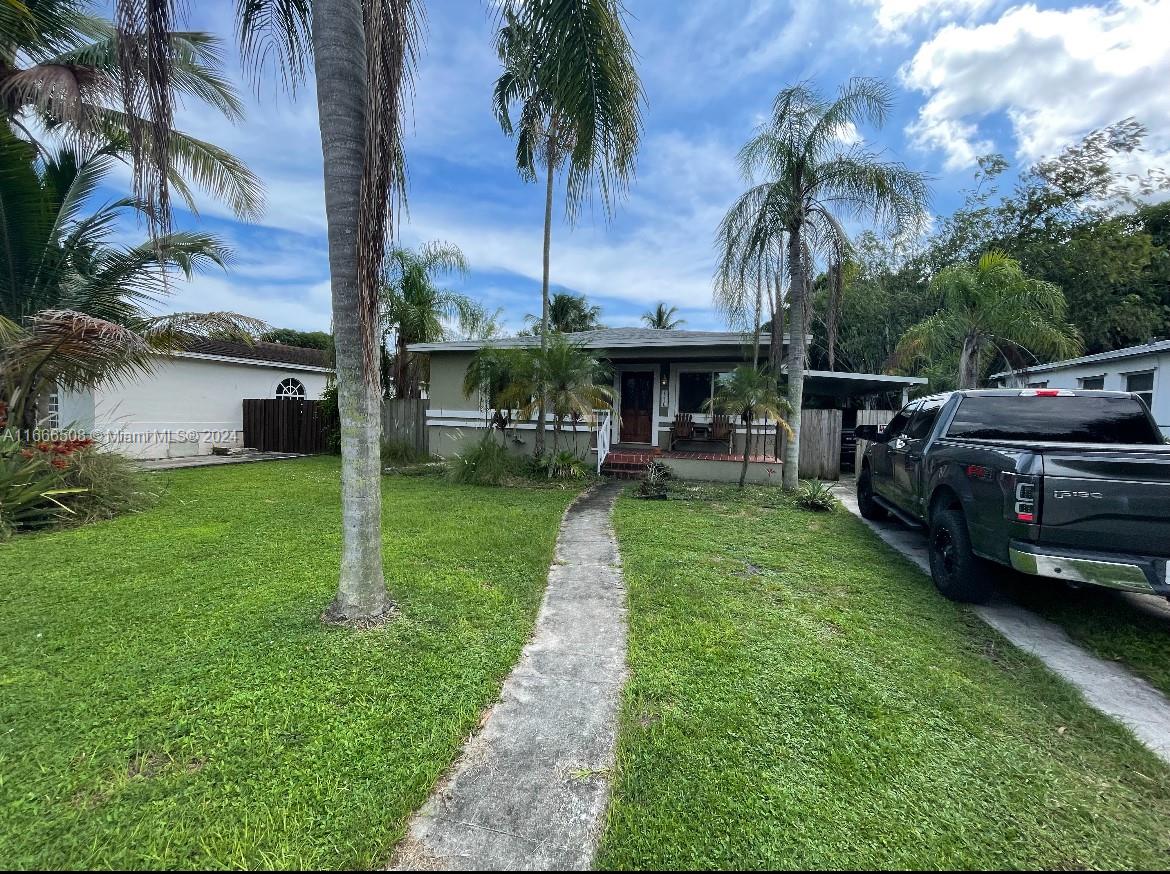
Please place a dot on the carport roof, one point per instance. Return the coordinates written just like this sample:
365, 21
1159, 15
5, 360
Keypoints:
831, 383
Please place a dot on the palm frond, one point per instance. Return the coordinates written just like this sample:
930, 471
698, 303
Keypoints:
276, 35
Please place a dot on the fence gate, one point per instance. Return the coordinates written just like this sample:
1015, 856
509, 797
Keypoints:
284, 425
881, 418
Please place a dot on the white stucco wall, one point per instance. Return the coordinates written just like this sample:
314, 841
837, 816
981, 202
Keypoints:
1114, 372
183, 407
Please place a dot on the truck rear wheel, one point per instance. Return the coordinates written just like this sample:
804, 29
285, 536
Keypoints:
958, 573
869, 508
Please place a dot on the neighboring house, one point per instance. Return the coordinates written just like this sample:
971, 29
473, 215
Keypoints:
192, 400
1143, 370
657, 374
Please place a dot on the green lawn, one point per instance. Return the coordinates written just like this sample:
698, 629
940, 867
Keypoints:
168, 697
1113, 625
802, 698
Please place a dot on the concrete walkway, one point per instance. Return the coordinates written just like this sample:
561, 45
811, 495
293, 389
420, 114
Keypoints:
530, 790
1106, 685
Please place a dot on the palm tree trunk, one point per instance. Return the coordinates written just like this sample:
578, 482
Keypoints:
796, 353
747, 448
776, 340
548, 210
340, 61
969, 362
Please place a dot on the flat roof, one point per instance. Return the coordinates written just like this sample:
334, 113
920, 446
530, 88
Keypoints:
607, 338
845, 385
1154, 348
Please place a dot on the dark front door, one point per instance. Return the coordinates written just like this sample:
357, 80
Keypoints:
637, 387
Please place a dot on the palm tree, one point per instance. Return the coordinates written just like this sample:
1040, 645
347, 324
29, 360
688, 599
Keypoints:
414, 308
662, 318
570, 66
60, 64
750, 393
990, 308
75, 309
567, 314
561, 377
813, 178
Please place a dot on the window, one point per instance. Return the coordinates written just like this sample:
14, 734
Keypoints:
290, 388
53, 410
1083, 419
1043, 384
924, 419
696, 388
1141, 384
1093, 383
898, 423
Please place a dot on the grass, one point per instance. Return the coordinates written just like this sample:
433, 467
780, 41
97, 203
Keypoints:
169, 699
1130, 629
801, 698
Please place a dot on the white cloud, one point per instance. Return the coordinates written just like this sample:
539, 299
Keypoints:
1053, 74
896, 16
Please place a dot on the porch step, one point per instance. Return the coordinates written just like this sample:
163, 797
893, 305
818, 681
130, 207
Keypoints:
621, 464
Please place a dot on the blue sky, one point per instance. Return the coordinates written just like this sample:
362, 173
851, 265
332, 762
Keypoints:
971, 75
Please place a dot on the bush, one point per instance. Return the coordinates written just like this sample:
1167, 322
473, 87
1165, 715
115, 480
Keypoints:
488, 463
31, 489
656, 484
816, 496
562, 465
110, 485
399, 452
332, 416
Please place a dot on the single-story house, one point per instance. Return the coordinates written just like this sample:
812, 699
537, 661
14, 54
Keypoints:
1143, 370
191, 400
657, 374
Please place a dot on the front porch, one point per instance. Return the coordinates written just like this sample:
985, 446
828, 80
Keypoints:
629, 462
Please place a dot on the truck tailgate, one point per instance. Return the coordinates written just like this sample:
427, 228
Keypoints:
1115, 499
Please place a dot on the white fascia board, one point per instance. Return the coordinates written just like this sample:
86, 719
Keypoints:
279, 365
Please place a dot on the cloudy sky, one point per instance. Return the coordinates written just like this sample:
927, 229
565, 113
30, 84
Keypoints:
972, 76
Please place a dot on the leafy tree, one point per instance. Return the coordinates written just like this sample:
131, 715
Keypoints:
322, 340
662, 318
990, 309
812, 178
569, 66
415, 309
60, 64
749, 393
75, 308
477, 323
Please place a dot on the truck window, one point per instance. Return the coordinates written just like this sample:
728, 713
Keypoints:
923, 422
1077, 419
898, 423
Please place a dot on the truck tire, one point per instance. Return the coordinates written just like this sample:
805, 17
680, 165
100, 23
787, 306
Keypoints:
869, 508
958, 573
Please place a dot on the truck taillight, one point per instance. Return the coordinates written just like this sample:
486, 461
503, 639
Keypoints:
1047, 393
1020, 498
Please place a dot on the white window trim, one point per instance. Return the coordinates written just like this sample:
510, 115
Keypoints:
276, 392
698, 367
1152, 372
1101, 376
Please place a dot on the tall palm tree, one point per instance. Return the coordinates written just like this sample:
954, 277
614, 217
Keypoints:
570, 66
567, 314
813, 179
59, 63
990, 308
662, 318
749, 394
415, 309
76, 309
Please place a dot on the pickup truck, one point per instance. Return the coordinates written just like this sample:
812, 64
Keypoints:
1072, 485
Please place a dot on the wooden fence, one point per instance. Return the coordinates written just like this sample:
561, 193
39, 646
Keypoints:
405, 421
820, 444
870, 417
285, 425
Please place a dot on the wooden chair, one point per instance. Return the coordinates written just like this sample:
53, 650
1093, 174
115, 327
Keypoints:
683, 428
721, 430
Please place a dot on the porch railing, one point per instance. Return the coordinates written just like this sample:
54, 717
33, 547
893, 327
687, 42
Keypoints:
603, 436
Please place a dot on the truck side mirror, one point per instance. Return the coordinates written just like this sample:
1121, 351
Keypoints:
871, 433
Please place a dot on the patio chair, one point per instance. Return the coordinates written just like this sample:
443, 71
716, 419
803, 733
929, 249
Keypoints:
683, 428
721, 430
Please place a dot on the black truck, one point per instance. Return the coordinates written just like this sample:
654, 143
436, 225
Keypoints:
1073, 485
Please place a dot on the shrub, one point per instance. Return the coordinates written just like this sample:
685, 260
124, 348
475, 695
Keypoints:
561, 465
109, 485
816, 496
332, 417
399, 452
656, 484
31, 489
487, 463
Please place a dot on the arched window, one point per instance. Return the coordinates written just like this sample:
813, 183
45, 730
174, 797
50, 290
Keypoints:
290, 388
